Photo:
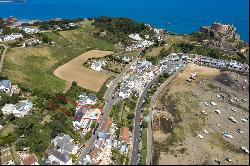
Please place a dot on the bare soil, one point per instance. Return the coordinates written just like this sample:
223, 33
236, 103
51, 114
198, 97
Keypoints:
85, 78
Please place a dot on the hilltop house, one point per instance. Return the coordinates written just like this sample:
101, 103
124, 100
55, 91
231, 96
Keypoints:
97, 65
126, 59
29, 29
5, 86
19, 110
135, 37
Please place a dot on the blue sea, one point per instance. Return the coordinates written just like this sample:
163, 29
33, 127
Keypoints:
180, 16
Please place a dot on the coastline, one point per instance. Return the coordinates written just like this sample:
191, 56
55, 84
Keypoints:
23, 20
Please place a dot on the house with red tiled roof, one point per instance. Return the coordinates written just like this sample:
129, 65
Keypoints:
29, 160
125, 135
105, 128
96, 155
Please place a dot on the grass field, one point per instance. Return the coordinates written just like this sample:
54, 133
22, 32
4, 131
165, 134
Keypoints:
144, 147
7, 129
33, 68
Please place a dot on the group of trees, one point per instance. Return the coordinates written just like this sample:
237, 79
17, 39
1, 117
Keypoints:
120, 24
118, 29
190, 48
8, 99
29, 131
44, 38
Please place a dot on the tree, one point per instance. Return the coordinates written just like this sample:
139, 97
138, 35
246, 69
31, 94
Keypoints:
93, 125
7, 31
214, 53
14, 98
74, 83
10, 118
145, 124
117, 131
1, 22
186, 47
11, 137
46, 39
130, 116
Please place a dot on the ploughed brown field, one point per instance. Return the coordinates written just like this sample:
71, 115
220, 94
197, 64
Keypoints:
85, 77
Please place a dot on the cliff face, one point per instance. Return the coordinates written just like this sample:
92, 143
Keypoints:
220, 31
225, 38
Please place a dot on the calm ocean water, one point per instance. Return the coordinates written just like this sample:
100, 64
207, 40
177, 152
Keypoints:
181, 16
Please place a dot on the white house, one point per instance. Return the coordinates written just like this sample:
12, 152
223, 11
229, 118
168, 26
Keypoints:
126, 59
124, 93
5, 86
19, 110
131, 84
8, 109
30, 30
22, 108
11, 37
135, 37
73, 24
97, 65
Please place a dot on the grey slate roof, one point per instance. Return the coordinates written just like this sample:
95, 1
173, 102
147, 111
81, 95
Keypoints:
92, 97
20, 105
65, 157
64, 143
5, 83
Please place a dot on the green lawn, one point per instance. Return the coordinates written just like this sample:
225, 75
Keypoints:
9, 128
33, 67
144, 147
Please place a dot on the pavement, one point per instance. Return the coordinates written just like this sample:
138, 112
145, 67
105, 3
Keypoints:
109, 102
2, 56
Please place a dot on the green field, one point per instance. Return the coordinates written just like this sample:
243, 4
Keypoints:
33, 67
144, 147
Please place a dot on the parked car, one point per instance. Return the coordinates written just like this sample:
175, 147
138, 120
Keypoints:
232, 119
240, 131
227, 159
244, 149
